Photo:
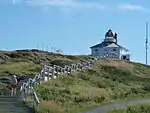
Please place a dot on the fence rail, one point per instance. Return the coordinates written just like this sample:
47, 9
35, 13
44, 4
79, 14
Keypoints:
52, 72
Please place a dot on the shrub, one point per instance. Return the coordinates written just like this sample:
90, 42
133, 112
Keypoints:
146, 88
80, 99
84, 77
100, 85
134, 90
67, 91
99, 99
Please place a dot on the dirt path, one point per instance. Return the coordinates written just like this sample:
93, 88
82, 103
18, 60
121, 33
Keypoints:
13, 105
10, 104
105, 109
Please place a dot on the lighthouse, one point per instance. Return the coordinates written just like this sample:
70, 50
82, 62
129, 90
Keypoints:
110, 47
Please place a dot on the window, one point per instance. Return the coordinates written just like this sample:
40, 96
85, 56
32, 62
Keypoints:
96, 49
114, 49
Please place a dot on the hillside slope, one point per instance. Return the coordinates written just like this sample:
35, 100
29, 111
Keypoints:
108, 81
30, 62
140, 108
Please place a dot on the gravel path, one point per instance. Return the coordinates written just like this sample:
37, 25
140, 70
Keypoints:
13, 105
106, 108
10, 104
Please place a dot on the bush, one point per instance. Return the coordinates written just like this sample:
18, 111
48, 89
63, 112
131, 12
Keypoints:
146, 88
81, 99
84, 77
67, 91
134, 90
99, 99
131, 110
100, 85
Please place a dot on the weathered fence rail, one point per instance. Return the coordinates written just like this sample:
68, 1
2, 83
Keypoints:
52, 72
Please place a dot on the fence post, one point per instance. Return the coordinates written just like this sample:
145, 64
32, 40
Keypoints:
36, 101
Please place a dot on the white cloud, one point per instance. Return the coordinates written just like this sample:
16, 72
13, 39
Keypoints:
61, 3
16, 1
132, 7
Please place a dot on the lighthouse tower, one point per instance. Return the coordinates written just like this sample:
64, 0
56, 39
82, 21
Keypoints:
110, 37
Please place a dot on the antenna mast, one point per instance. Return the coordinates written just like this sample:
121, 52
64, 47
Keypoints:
146, 43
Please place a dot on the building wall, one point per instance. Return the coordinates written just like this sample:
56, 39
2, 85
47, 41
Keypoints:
123, 52
107, 50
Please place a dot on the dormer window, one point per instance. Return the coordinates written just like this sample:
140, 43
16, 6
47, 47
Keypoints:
96, 49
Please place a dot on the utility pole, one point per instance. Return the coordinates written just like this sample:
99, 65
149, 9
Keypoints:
146, 42
51, 49
38, 47
42, 47
47, 48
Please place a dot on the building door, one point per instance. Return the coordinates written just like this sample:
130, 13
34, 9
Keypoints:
124, 58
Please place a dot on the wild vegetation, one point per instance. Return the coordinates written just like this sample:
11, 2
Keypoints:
30, 62
106, 82
4, 89
141, 108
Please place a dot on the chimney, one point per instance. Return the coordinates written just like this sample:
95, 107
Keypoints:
115, 37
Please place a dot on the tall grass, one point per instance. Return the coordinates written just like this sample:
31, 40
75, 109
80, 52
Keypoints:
100, 85
30, 62
141, 108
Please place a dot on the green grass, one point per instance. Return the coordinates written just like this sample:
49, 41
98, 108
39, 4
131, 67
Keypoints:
19, 68
107, 82
141, 108
4, 89
30, 62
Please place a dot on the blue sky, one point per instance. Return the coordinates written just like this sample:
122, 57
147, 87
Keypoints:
73, 25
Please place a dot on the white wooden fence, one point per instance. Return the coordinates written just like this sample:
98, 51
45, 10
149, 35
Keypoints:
52, 72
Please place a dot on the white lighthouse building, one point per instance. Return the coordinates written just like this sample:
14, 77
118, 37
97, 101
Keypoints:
110, 47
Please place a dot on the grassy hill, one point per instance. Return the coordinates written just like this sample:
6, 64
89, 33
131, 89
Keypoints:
141, 108
30, 62
108, 81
